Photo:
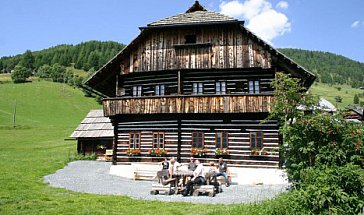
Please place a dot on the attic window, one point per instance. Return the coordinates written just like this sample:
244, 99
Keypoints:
190, 39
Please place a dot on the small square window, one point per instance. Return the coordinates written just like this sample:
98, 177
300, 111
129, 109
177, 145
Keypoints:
190, 39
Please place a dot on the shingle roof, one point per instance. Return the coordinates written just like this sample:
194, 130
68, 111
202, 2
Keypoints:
196, 14
95, 125
196, 17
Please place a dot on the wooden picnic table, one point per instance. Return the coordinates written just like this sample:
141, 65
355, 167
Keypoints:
182, 174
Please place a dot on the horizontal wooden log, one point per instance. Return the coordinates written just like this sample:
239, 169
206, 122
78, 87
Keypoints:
188, 104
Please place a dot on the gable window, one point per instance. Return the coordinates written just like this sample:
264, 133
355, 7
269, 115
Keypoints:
159, 90
137, 91
220, 87
190, 39
158, 140
254, 87
197, 88
222, 140
256, 140
134, 140
197, 139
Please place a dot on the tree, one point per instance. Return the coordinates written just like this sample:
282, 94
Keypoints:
20, 74
356, 99
44, 71
289, 95
338, 99
27, 60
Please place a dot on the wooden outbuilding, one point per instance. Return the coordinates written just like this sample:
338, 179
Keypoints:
95, 134
195, 84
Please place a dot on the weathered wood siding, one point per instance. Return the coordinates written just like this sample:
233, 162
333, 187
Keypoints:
216, 47
188, 104
238, 134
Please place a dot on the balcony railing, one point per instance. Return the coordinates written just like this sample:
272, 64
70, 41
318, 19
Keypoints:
188, 104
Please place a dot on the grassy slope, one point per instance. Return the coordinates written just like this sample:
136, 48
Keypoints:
329, 93
45, 116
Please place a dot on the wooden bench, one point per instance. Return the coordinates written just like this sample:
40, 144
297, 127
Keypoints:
165, 184
204, 189
145, 171
221, 179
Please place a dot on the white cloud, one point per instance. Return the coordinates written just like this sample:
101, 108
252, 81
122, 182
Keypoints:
262, 19
355, 24
282, 5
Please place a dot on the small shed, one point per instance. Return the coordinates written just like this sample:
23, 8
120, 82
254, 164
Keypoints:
95, 134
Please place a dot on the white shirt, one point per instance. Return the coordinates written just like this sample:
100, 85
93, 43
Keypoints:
199, 171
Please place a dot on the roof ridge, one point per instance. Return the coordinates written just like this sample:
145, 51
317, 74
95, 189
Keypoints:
196, 7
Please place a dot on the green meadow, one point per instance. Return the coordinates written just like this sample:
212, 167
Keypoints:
46, 114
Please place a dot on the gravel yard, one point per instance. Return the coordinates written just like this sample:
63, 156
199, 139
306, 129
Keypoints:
94, 177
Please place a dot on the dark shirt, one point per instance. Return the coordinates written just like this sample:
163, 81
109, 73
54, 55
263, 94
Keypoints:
165, 165
222, 167
191, 166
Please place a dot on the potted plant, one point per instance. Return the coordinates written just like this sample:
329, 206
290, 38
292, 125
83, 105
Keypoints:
133, 152
221, 152
198, 152
158, 152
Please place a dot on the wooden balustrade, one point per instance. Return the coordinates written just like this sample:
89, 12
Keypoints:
188, 104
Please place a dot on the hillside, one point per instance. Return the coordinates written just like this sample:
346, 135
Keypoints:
87, 55
330, 68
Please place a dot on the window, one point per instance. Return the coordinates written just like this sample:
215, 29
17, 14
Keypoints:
137, 91
197, 88
197, 139
222, 140
158, 140
256, 140
134, 140
190, 39
254, 87
159, 90
220, 87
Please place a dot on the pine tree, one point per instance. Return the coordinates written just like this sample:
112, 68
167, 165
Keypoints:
356, 99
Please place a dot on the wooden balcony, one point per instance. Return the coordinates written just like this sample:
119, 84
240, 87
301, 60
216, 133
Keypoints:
188, 104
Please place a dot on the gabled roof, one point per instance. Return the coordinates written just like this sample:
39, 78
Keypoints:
103, 80
95, 125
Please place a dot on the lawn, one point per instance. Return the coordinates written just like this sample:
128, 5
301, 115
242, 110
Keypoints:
330, 92
47, 113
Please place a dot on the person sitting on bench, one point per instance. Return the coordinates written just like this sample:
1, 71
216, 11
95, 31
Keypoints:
211, 176
222, 171
198, 178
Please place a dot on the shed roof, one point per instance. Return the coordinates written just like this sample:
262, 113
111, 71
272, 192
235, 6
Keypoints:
95, 125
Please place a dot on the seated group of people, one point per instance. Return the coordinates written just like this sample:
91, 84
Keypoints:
201, 174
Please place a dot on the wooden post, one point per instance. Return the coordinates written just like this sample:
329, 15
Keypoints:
114, 148
14, 115
179, 83
179, 138
117, 85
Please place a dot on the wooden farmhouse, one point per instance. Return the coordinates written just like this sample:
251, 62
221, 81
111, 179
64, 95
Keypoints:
194, 84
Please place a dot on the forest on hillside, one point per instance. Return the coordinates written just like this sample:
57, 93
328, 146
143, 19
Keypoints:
86, 55
328, 67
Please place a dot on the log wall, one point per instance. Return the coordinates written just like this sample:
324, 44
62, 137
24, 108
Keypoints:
188, 104
216, 47
238, 139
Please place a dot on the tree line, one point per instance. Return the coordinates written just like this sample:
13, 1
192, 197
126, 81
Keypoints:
328, 67
86, 55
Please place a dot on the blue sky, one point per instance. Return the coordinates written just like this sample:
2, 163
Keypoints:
324, 25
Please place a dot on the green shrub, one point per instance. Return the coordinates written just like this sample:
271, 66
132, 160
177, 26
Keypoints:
20, 74
76, 156
321, 140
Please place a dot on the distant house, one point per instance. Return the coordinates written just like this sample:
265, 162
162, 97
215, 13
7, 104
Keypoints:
95, 134
355, 114
195, 84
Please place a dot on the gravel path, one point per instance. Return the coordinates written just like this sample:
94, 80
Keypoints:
94, 177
